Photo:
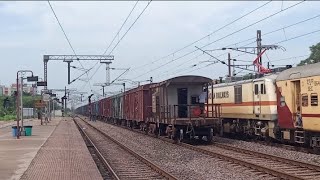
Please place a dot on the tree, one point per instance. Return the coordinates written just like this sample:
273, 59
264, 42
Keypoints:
314, 56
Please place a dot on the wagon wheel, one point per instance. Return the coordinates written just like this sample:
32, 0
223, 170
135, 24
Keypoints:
147, 128
178, 135
210, 135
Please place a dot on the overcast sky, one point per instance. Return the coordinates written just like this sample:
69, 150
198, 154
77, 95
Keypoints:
29, 30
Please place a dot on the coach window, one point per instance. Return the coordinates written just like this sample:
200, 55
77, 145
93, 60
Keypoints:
314, 99
304, 100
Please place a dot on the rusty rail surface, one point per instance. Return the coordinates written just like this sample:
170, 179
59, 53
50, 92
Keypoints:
136, 155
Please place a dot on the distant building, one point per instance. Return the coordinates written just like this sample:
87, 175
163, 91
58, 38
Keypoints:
8, 91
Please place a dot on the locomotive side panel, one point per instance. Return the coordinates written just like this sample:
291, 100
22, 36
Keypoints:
248, 100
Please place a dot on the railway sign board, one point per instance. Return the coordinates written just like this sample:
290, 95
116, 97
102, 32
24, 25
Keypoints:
42, 83
39, 104
32, 78
46, 97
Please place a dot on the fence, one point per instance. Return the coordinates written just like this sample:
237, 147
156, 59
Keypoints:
28, 112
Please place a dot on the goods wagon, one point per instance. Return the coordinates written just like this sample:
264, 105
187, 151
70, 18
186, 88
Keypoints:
176, 110
137, 103
116, 111
107, 107
298, 105
248, 106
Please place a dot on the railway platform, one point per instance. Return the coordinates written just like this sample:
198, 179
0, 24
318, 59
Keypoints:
63, 156
16, 154
54, 151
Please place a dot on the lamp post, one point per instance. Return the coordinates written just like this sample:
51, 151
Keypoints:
19, 107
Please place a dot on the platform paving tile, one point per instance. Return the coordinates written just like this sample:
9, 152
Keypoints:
63, 156
17, 154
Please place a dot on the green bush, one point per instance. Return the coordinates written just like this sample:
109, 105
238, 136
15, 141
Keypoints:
7, 117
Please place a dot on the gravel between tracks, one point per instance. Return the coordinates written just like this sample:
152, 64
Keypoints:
181, 162
277, 151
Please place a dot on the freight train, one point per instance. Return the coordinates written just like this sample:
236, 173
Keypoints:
168, 108
280, 106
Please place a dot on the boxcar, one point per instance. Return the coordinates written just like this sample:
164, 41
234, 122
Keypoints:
176, 111
116, 110
137, 103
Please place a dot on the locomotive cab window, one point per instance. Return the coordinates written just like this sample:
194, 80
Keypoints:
238, 94
256, 89
263, 88
304, 99
314, 99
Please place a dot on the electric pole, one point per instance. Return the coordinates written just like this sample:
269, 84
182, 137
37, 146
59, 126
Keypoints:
103, 85
107, 71
259, 48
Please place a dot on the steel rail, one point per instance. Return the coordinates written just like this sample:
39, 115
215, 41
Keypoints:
104, 161
244, 163
136, 155
269, 156
260, 168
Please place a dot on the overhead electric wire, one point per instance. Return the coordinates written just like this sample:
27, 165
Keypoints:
208, 35
117, 34
123, 36
305, 34
276, 30
298, 36
111, 42
65, 35
263, 19
294, 57
131, 26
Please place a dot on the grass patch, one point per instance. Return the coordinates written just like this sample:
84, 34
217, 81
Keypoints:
7, 117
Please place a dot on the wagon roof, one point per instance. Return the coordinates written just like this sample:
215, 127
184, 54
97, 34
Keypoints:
191, 79
300, 72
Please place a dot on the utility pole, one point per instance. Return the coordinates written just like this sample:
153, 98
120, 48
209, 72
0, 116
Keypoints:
107, 71
69, 62
259, 47
21, 102
65, 100
229, 65
103, 85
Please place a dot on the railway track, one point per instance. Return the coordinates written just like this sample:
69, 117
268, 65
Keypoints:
288, 168
275, 166
290, 147
103, 165
122, 162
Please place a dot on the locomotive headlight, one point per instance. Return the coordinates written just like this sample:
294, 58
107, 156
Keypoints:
259, 123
